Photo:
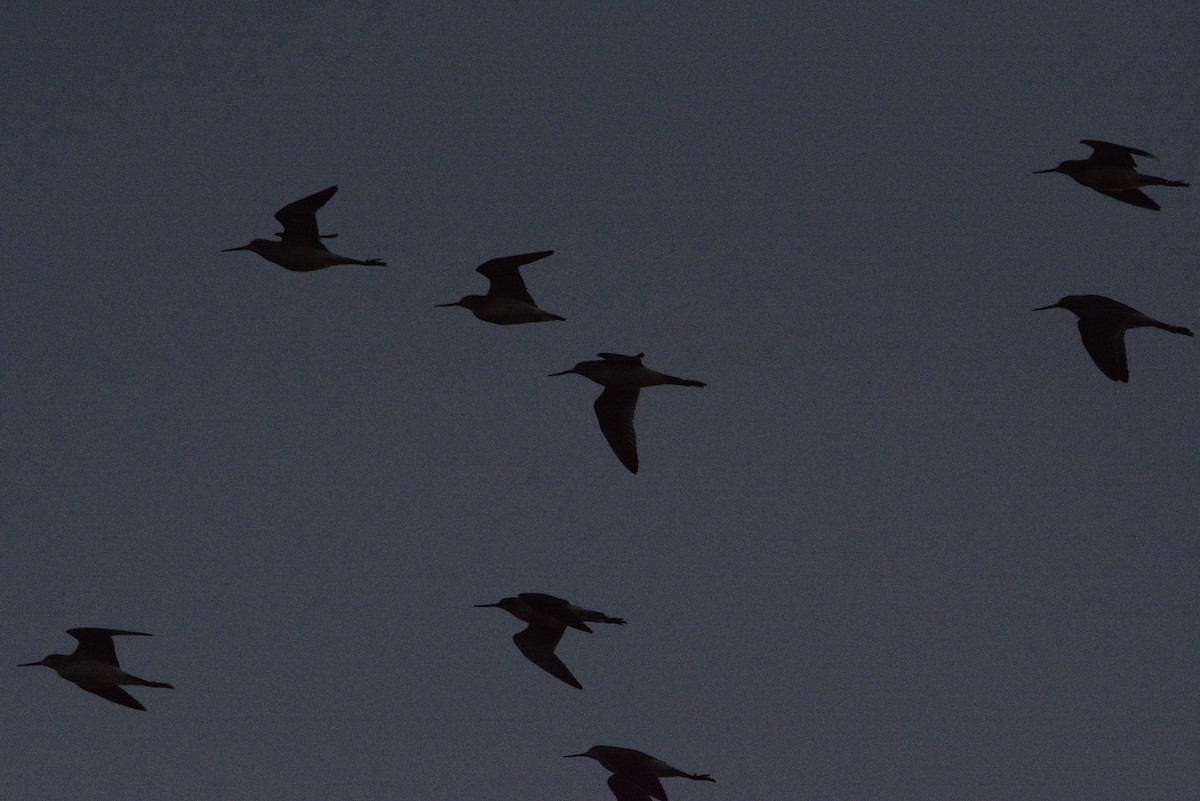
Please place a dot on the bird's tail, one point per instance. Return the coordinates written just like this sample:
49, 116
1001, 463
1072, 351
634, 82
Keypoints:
684, 382
1176, 183
1174, 329
700, 777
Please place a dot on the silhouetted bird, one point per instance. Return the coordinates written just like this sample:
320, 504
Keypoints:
548, 617
1110, 171
93, 666
635, 774
507, 302
1102, 324
622, 377
299, 248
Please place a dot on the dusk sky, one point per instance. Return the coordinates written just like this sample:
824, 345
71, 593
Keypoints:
909, 544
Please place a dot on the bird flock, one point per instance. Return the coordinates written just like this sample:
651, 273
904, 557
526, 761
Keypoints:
93, 665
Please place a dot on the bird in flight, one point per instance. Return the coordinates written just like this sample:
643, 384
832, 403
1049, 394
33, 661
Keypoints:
548, 617
1110, 170
1102, 324
622, 378
93, 666
299, 247
635, 775
508, 301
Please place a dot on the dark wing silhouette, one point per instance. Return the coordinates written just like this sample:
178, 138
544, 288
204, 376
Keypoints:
1134, 196
116, 695
1105, 343
1117, 155
537, 643
626, 789
638, 780
505, 276
299, 219
618, 357
557, 608
614, 410
98, 644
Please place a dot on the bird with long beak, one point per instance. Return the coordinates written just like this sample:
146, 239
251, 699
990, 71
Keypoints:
1102, 324
1110, 170
299, 247
507, 302
622, 378
635, 774
93, 666
548, 618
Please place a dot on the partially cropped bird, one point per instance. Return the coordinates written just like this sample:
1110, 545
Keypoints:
1110, 170
635, 774
299, 247
548, 617
1102, 324
622, 378
93, 666
507, 302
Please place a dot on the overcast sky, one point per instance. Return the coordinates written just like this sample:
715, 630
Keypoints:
908, 544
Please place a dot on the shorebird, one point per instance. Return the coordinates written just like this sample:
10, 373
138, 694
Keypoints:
93, 666
622, 377
1110, 171
636, 775
1102, 324
299, 247
507, 302
548, 617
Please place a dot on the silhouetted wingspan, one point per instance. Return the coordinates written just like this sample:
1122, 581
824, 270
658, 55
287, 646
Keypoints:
537, 643
299, 219
625, 788
614, 410
552, 606
620, 357
116, 695
1135, 197
1106, 345
505, 276
642, 781
98, 644
1117, 155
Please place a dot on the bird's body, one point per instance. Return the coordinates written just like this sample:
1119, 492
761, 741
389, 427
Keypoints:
508, 301
1102, 325
299, 247
1110, 170
636, 774
548, 617
93, 666
622, 378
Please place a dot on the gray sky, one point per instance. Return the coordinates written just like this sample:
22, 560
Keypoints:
909, 543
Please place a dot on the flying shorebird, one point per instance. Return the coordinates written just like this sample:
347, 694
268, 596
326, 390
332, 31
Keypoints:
300, 248
1110, 171
635, 774
93, 666
548, 617
507, 302
1102, 324
622, 377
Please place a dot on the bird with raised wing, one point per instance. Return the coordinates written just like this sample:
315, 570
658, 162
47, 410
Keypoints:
1110, 170
93, 666
548, 617
299, 247
1102, 324
507, 301
635, 775
622, 378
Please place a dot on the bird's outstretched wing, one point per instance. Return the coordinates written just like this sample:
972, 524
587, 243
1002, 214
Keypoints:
1106, 345
1117, 155
537, 643
116, 695
614, 409
299, 219
624, 788
1135, 197
505, 276
620, 357
97, 643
